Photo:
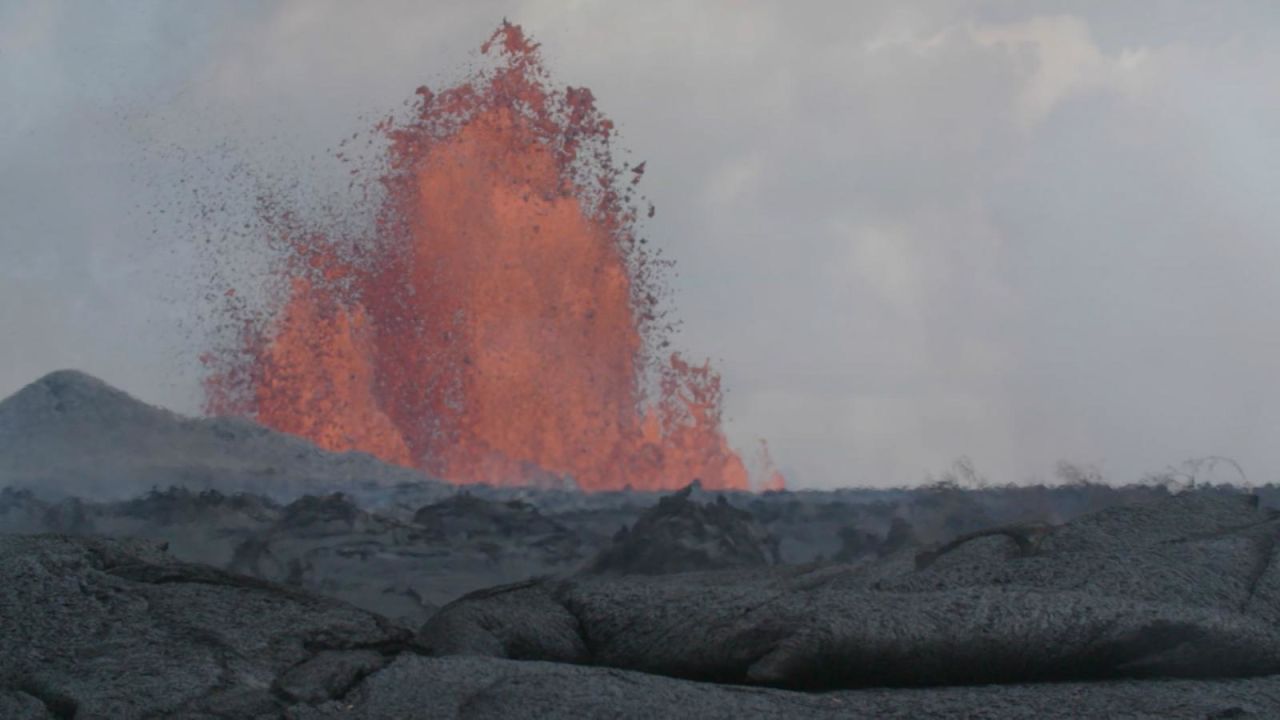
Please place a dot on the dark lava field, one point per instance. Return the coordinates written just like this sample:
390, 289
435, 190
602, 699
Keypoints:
159, 566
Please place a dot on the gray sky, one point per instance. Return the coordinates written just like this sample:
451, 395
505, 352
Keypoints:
906, 232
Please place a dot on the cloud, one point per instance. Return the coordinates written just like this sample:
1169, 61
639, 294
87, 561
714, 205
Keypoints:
905, 232
28, 27
1064, 62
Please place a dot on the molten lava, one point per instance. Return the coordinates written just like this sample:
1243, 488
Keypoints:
498, 325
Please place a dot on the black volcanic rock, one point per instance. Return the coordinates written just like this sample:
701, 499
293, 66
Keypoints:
323, 515
504, 527
72, 434
180, 506
98, 628
680, 534
197, 526
475, 688
406, 570
466, 516
1184, 588
329, 545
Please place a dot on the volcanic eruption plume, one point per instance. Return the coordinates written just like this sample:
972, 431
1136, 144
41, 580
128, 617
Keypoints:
500, 323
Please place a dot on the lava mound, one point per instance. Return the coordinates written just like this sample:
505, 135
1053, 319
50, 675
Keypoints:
108, 628
680, 534
405, 568
1184, 588
467, 516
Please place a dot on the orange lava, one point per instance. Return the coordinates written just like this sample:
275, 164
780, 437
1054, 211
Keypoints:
498, 327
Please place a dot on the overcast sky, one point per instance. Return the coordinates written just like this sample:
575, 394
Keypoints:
906, 232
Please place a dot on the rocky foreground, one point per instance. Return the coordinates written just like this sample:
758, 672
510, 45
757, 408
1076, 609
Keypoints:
153, 565
1163, 610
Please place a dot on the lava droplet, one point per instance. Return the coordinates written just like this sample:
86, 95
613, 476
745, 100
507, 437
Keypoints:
500, 324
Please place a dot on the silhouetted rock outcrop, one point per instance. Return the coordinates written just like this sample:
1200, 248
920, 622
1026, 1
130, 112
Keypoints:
330, 545
466, 516
323, 515
181, 506
406, 570
680, 534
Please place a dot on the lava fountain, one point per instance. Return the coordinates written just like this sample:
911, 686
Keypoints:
501, 322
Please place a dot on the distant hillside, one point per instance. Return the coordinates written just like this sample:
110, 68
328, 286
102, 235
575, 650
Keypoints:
70, 433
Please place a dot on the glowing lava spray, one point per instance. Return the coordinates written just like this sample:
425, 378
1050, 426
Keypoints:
501, 323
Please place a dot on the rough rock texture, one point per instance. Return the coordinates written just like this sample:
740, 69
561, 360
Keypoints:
456, 688
204, 526
466, 516
1185, 588
198, 527
407, 561
406, 570
113, 629
680, 534
72, 434
329, 544
1166, 607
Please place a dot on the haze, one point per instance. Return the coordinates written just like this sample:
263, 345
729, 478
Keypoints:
905, 232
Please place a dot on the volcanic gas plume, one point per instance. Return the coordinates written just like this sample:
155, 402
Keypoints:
501, 323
